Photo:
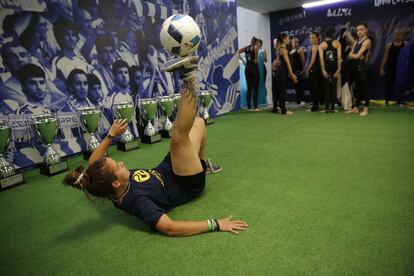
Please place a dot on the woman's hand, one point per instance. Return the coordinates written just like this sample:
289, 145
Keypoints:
229, 225
118, 127
325, 74
294, 78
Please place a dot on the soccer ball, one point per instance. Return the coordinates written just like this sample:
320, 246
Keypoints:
180, 35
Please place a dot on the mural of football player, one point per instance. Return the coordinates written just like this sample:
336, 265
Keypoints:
11, 95
37, 42
121, 92
105, 47
136, 77
33, 82
158, 84
34, 86
96, 97
67, 36
87, 35
95, 94
78, 88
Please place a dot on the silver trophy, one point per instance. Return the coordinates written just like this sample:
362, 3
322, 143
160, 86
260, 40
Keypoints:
90, 117
177, 100
8, 175
205, 99
126, 110
45, 126
166, 104
148, 111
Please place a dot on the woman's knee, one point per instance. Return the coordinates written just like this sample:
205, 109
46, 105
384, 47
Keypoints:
199, 122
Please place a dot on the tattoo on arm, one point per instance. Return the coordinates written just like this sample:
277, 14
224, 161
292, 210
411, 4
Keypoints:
190, 90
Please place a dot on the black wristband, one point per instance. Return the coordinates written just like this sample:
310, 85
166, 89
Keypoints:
218, 225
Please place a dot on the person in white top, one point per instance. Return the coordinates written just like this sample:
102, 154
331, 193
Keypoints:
33, 83
67, 36
121, 92
78, 88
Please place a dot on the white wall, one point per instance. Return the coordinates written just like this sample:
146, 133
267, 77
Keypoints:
251, 23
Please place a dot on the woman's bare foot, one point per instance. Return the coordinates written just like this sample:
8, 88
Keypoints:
364, 112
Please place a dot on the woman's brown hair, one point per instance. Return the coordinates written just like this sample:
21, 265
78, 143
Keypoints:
96, 180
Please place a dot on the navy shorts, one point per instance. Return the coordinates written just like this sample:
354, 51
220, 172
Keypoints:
190, 183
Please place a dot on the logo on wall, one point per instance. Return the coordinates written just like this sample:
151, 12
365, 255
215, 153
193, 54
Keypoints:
293, 17
340, 12
379, 3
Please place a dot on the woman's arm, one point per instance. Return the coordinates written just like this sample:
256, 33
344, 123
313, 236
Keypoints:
365, 46
350, 38
315, 48
264, 55
173, 228
339, 56
321, 60
118, 127
302, 57
244, 49
385, 59
242, 59
289, 67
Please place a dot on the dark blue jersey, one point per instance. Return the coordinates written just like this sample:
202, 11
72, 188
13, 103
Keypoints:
152, 192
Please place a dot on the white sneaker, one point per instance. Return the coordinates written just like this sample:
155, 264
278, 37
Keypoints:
213, 168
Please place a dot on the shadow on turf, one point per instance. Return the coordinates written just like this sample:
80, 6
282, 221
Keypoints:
108, 216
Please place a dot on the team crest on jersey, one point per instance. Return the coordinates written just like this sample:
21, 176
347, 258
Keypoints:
141, 176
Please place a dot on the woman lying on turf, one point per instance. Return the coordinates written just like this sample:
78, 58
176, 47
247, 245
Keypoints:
178, 179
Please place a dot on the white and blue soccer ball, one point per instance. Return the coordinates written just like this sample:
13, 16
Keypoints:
180, 35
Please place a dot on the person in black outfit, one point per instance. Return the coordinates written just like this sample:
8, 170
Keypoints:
284, 72
297, 57
389, 64
314, 72
252, 72
330, 60
275, 66
359, 56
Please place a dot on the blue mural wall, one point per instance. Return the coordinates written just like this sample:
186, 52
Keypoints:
100, 38
382, 17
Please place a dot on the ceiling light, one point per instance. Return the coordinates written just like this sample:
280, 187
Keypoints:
320, 3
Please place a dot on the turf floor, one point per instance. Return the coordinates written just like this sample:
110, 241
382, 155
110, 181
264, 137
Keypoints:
323, 194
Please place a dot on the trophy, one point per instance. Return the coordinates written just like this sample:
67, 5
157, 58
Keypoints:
90, 117
205, 99
8, 175
167, 107
45, 127
149, 108
177, 100
126, 110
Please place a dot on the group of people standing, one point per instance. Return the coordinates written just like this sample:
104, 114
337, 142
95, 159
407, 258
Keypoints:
327, 61
342, 56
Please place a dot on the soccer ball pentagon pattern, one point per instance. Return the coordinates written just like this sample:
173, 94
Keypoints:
180, 35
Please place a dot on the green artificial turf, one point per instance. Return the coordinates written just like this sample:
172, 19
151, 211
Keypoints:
323, 194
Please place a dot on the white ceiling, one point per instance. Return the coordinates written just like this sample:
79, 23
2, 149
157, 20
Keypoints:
266, 6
